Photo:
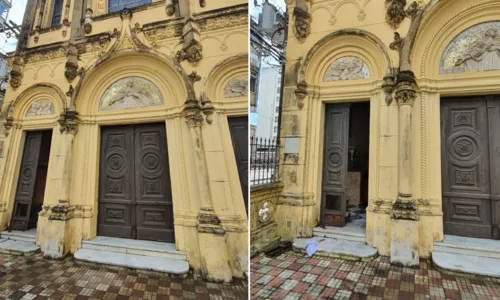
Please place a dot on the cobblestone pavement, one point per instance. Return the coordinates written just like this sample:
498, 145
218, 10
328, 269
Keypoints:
38, 278
291, 276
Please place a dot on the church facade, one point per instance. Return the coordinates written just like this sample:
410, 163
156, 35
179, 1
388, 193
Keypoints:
391, 107
130, 122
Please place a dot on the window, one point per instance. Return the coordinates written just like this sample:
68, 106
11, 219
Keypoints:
278, 90
275, 128
57, 12
253, 83
277, 109
275, 119
117, 5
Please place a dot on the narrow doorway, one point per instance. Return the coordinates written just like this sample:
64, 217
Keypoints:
32, 181
345, 166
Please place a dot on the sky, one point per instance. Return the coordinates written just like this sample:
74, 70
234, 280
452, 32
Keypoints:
16, 15
254, 12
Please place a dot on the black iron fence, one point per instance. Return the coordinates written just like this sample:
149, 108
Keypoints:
264, 161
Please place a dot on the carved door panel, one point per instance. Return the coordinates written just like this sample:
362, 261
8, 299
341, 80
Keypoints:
238, 127
135, 194
333, 198
154, 210
26, 182
469, 153
116, 183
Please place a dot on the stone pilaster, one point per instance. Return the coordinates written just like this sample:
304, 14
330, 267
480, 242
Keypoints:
58, 210
404, 231
211, 234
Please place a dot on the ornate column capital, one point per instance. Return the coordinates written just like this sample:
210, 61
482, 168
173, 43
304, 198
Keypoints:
68, 122
406, 88
301, 93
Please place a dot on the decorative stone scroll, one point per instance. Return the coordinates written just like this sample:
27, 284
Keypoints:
130, 92
236, 87
474, 50
41, 108
347, 68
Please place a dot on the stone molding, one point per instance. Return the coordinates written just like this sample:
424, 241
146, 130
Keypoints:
65, 212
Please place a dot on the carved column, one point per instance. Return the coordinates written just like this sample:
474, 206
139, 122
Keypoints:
71, 67
404, 233
211, 234
58, 210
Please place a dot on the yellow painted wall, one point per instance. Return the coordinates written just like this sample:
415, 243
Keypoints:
74, 159
358, 28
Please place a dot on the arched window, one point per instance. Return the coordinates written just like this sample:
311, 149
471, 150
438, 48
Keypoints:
117, 5
57, 12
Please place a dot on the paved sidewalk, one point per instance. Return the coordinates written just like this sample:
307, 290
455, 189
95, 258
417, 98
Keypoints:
39, 278
291, 276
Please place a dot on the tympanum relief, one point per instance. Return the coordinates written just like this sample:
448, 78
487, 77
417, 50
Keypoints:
41, 108
347, 68
236, 87
130, 92
474, 50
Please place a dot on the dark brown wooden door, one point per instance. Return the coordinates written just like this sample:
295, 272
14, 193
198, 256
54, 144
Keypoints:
336, 148
470, 143
135, 198
238, 127
27, 180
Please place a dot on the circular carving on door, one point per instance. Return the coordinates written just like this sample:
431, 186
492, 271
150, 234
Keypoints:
334, 157
464, 146
115, 162
151, 163
27, 173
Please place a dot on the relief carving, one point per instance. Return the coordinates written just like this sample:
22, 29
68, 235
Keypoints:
347, 68
236, 87
130, 92
302, 24
223, 22
265, 212
474, 50
41, 108
395, 12
45, 55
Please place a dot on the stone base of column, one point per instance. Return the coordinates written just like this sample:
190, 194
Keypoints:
213, 248
294, 215
214, 255
404, 243
404, 234
54, 230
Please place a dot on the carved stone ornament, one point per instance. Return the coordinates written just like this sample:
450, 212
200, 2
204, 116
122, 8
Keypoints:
207, 108
71, 67
41, 108
87, 24
131, 92
406, 88
236, 87
347, 68
194, 77
16, 74
265, 212
68, 122
9, 123
203, 3
476, 49
169, 7
302, 24
395, 13
192, 54
301, 93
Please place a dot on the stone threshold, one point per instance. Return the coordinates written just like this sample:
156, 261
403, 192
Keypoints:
134, 254
15, 247
26, 236
467, 264
338, 248
469, 246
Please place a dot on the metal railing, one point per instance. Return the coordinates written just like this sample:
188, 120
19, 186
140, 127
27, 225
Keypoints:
264, 161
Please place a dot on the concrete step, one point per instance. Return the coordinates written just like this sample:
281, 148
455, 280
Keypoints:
339, 233
469, 246
468, 264
14, 247
26, 236
133, 261
137, 247
339, 248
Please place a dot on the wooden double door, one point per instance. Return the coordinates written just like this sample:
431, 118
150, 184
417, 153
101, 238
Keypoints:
135, 198
238, 127
470, 148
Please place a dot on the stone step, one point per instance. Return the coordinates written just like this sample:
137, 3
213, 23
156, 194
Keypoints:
469, 246
339, 233
14, 247
26, 236
467, 264
339, 248
138, 247
133, 261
